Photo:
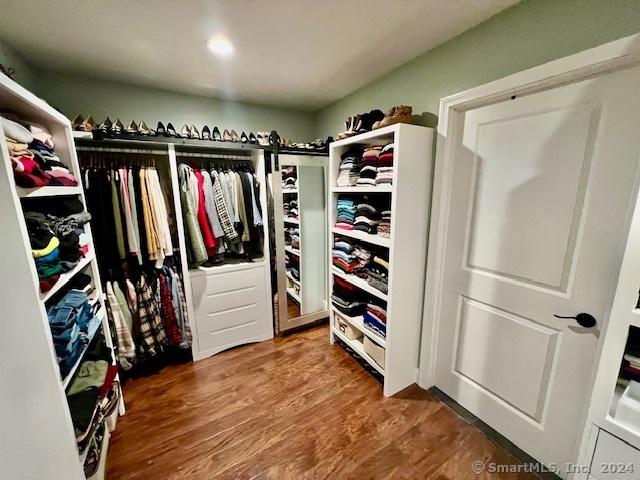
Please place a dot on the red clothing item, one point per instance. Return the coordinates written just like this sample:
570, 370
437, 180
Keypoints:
209, 238
168, 313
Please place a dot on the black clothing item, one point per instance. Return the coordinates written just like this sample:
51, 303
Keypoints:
62, 207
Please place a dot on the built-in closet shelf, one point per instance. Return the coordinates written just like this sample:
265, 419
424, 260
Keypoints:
635, 317
358, 347
95, 328
406, 247
293, 251
360, 283
78, 134
292, 293
47, 191
289, 190
295, 221
363, 236
379, 136
291, 277
65, 277
358, 323
386, 188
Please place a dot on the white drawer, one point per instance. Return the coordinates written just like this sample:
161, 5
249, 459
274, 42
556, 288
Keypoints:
609, 453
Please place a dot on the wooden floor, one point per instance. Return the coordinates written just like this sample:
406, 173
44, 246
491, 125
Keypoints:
291, 408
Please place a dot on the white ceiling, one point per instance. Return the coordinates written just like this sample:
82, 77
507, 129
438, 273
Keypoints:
295, 53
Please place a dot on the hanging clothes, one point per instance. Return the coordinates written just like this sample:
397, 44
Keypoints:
196, 249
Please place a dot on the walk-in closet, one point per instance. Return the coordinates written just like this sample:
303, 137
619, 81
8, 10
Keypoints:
320, 240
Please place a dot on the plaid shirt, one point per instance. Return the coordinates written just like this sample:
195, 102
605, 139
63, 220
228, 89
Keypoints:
180, 304
221, 208
168, 312
153, 337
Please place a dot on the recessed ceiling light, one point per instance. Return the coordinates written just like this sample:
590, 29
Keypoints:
220, 46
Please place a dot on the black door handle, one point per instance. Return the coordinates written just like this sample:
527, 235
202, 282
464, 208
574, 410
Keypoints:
585, 320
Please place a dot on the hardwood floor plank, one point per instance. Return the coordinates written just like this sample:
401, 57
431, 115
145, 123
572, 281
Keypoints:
291, 408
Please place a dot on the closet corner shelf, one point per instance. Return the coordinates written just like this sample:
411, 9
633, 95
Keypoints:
363, 236
373, 137
47, 191
385, 188
292, 278
65, 277
295, 221
360, 283
292, 293
359, 349
358, 322
93, 329
78, 134
290, 190
292, 250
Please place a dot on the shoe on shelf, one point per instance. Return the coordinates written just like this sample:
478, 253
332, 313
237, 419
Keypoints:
252, 138
226, 136
75, 125
132, 128
216, 135
193, 133
87, 125
263, 138
105, 126
244, 138
398, 114
146, 131
171, 131
117, 128
185, 132
234, 136
206, 133
160, 130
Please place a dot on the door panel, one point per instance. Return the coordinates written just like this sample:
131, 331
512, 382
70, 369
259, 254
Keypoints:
540, 194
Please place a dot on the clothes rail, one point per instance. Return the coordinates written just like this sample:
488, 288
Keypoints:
120, 150
220, 156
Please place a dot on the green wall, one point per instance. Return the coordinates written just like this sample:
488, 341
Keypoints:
25, 74
75, 94
528, 34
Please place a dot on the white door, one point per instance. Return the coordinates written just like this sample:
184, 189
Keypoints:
537, 217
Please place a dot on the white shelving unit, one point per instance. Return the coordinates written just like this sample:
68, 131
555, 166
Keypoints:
410, 195
40, 440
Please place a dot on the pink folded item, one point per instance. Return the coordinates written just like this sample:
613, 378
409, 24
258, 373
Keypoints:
61, 174
344, 226
42, 135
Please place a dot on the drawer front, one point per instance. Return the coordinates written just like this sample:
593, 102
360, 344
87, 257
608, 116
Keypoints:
610, 455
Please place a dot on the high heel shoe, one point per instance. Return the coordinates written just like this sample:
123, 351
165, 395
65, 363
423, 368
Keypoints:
206, 133
185, 132
160, 130
105, 126
216, 134
75, 125
244, 138
132, 128
171, 131
252, 138
146, 131
226, 136
88, 125
193, 133
117, 128
234, 136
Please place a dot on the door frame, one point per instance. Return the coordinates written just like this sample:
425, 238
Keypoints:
606, 58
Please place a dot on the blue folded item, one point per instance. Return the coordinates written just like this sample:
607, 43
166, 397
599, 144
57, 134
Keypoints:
52, 257
375, 325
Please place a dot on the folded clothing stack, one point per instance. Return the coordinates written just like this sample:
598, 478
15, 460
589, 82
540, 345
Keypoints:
347, 298
366, 216
292, 264
292, 237
290, 208
350, 165
369, 170
94, 393
57, 236
289, 178
31, 149
385, 165
70, 321
375, 317
343, 255
384, 225
378, 274
346, 209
